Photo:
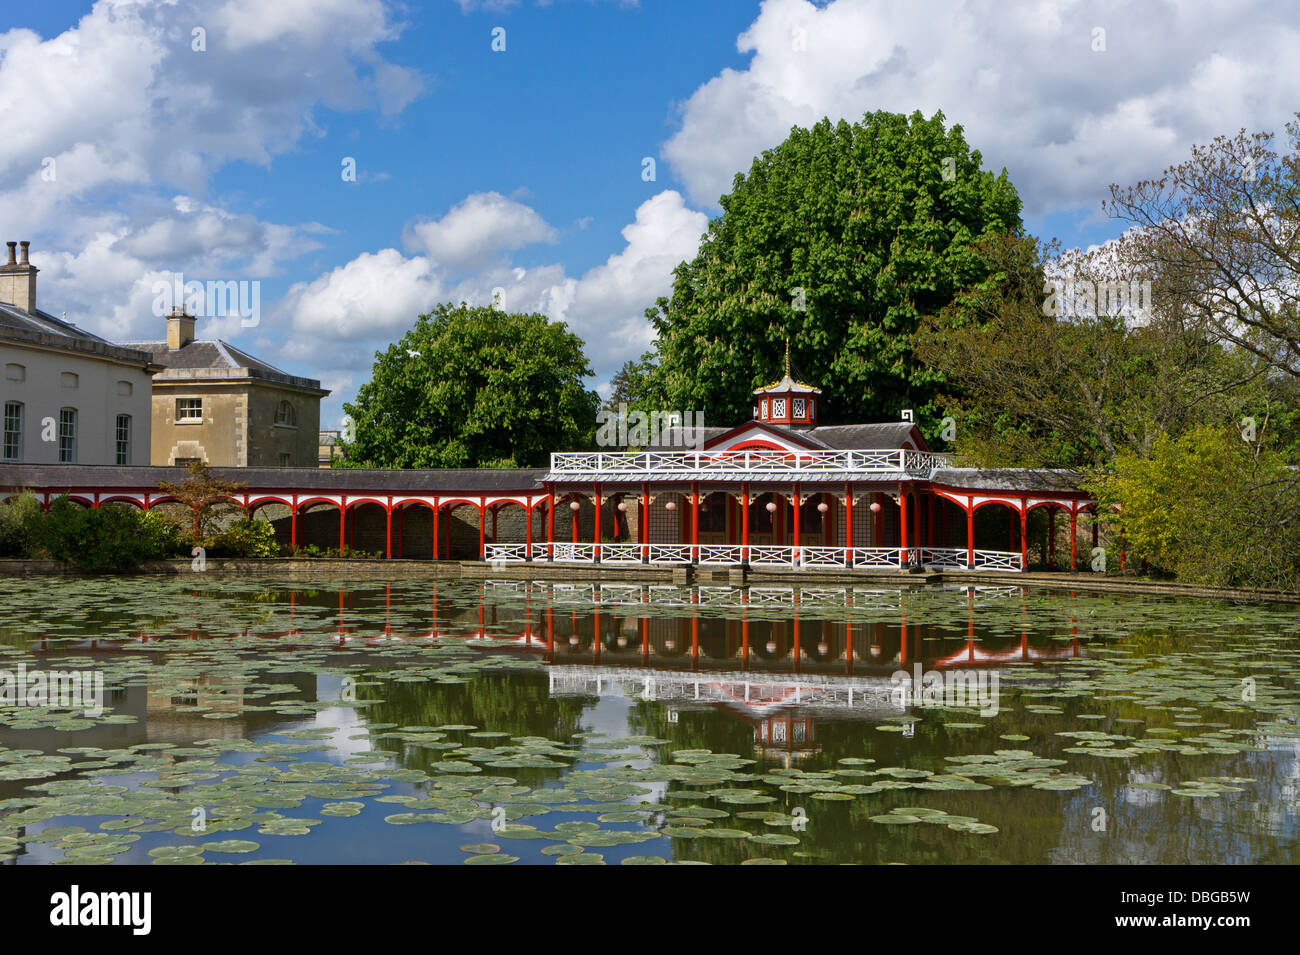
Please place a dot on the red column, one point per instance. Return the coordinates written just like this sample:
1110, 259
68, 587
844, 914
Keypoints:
848, 525
902, 526
1024, 543
574, 512
388, 529
970, 533
695, 521
528, 530
482, 519
1074, 543
596, 521
794, 551
643, 532
744, 523
293, 524
435, 527
343, 519
550, 521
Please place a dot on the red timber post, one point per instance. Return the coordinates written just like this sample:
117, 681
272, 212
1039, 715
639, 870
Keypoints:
1024, 532
574, 511
1074, 543
388, 529
482, 519
794, 526
970, 532
643, 532
695, 522
596, 523
293, 524
744, 523
848, 525
550, 522
343, 521
435, 527
528, 529
902, 525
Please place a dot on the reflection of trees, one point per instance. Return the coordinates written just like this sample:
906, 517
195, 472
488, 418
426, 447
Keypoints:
694, 729
517, 703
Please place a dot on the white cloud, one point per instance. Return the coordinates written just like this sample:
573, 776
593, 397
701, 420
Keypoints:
1020, 75
478, 228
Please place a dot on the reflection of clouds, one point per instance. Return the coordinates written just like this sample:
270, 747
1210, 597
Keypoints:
340, 718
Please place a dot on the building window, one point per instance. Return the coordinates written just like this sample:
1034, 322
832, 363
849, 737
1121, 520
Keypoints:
189, 409
13, 430
67, 435
778, 408
125, 388
124, 439
286, 459
186, 462
801, 408
15, 372
285, 414
69, 379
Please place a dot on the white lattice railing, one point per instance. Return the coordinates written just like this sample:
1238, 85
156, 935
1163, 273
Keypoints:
875, 557
575, 553
620, 553
760, 461
670, 553
821, 556
998, 560
510, 553
944, 557
771, 555
719, 554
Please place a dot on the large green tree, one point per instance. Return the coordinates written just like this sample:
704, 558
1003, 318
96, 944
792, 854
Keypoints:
473, 387
841, 239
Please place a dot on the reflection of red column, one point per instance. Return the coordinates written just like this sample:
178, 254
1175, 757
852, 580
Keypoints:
645, 637
550, 630
744, 640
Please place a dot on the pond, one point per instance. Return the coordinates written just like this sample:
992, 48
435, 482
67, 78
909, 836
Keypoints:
182, 721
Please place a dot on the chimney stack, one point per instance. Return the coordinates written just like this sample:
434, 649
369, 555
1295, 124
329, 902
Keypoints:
18, 280
180, 328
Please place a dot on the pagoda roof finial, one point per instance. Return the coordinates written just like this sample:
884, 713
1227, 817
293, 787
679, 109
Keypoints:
788, 383
787, 356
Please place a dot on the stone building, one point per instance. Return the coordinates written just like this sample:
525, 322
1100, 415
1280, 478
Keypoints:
69, 397
215, 403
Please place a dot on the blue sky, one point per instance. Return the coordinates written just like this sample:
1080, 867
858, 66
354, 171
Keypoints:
521, 169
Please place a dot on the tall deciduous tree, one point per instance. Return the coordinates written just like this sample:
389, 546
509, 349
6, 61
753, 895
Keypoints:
840, 239
473, 387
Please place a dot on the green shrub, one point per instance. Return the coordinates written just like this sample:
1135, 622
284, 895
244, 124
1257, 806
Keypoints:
19, 517
107, 538
244, 538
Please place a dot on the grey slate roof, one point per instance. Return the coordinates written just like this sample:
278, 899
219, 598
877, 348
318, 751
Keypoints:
41, 328
215, 359
1014, 479
326, 479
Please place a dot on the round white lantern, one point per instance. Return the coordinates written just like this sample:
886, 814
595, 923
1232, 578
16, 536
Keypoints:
574, 505
823, 507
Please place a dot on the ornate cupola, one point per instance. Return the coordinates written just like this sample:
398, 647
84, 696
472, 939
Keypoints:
788, 402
